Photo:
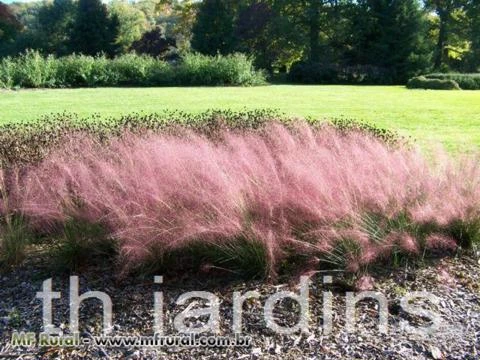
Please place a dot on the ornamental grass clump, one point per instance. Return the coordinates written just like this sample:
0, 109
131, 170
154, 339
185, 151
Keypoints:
254, 200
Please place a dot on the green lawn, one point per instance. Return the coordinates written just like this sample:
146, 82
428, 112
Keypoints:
452, 117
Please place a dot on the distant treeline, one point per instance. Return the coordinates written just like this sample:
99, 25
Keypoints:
379, 41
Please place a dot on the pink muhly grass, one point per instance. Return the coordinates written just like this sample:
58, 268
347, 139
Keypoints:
293, 190
439, 241
408, 243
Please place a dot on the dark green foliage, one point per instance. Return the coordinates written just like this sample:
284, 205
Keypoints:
94, 31
368, 41
154, 43
254, 29
213, 30
473, 15
63, 27
465, 81
312, 30
421, 82
390, 34
406, 38
55, 22
9, 24
313, 73
449, 28
31, 70
318, 73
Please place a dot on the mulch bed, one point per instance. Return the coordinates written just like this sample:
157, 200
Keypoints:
454, 280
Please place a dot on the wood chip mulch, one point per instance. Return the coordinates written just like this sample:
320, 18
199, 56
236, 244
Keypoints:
454, 280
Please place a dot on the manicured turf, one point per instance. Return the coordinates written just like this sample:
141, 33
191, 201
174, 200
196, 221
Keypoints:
452, 117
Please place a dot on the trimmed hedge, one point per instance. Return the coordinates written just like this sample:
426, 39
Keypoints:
465, 81
32, 70
421, 82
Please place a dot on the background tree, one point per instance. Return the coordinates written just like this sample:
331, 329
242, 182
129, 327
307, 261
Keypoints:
390, 34
473, 15
313, 8
321, 27
447, 21
9, 24
213, 31
155, 43
94, 31
265, 32
55, 21
253, 32
27, 15
132, 23
321, 35
183, 18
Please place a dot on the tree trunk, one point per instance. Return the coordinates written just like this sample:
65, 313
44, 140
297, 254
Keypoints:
444, 15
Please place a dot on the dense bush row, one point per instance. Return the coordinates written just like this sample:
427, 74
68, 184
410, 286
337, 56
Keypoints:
319, 73
421, 82
465, 81
31, 70
250, 199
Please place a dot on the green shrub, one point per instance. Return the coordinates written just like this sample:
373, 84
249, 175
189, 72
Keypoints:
131, 69
421, 82
7, 73
237, 69
31, 70
102, 73
162, 74
84, 71
74, 71
465, 81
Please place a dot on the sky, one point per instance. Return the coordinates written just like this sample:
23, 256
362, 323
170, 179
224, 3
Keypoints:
11, 1
18, 1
